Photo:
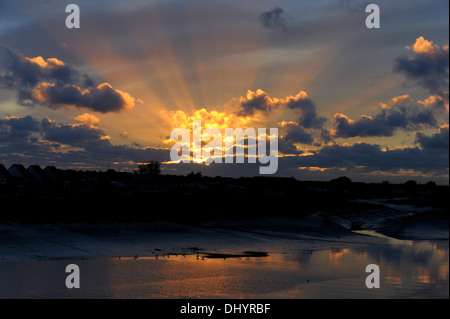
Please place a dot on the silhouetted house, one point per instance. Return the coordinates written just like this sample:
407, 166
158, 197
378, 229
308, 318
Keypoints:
53, 174
5, 176
37, 173
19, 172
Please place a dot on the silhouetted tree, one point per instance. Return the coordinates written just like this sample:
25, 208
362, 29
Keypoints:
411, 183
150, 168
194, 176
341, 181
431, 184
411, 186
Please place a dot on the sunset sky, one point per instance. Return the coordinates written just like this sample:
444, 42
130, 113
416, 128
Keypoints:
371, 104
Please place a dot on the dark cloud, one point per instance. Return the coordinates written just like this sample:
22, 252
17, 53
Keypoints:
27, 140
308, 114
53, 83
439, 140
373, 158
12, 128
426, 67
300, 103
84, 146
22, 73
361, 159
100, 99
295, 134
274, 20
307, 128
437, 102
78, 135
386, 123
254, 101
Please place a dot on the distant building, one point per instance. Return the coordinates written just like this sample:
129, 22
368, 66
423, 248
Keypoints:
4, 175
37, 173
19, 172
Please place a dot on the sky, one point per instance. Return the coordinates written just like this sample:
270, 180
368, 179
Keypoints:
370, 104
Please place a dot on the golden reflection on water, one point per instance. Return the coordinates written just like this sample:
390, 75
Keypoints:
418, 270
338, 272
394, 280
338, 253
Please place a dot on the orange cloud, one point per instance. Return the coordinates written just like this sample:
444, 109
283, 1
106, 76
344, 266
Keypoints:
88, 119
49, 63
435, 100
423, 46
210, 119
395, 101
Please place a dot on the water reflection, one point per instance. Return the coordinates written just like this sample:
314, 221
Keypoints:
418, 269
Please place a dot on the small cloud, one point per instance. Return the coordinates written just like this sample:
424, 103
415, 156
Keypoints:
88, 119
49, 63
436, 101
423, 46
258, 100
274, 20
427, 67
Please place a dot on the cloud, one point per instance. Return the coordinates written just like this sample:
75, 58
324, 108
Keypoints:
439, 102
22, 73
77, 135
361, 159
396, 101
102, 99
53, 83
427, 67
301, 104
439, 140
274, 20
308, 115
399, 113
373, 158
254, 101
209, 119
88, 119
12, 128
295, 134
83, 144
259, 109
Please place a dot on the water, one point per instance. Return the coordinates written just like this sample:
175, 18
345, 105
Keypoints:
408, 269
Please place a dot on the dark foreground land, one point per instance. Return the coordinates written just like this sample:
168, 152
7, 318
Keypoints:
123, 197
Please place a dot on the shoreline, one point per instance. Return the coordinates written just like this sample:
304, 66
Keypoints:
233, 237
